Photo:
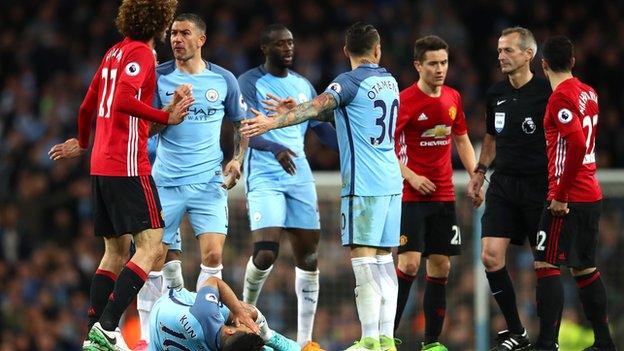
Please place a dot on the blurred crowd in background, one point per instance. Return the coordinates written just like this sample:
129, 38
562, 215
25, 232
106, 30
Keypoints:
50, 49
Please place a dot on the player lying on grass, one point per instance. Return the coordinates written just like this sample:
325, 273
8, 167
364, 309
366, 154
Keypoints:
213, 319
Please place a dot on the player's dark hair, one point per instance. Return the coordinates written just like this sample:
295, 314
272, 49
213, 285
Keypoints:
559, 53
361, 38
145, 19
265, 36
193, 18
428, 43
243, 341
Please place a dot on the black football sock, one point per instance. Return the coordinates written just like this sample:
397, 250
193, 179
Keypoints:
101, 287
594, 299
549, 297
130, 281
434, 305
405, 285
505, 296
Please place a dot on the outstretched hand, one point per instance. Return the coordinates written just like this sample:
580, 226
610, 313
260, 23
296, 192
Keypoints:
69, 149
258, 125
277, 105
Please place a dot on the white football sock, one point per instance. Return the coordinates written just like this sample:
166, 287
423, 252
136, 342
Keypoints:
389, 291
307, 290
367, 295
207, 272
172, 274
254, 280
147, 296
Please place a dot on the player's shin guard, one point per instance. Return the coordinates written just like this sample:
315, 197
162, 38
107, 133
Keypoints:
254, 280
549, 297
367, 295
594, 299
207, 272
307, 290
389, 291
147, 296
172, 275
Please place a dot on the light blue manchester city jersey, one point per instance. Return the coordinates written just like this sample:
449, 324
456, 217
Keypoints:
190, 152
368, 104
262, 165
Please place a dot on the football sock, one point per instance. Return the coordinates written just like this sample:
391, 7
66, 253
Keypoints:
389, 292
254, 280
172, 274
102, 285
207, 272
147, 296
307, 290
505, 296
367, 295
434, 305
594, 299
130, 281
549, 297
405, 285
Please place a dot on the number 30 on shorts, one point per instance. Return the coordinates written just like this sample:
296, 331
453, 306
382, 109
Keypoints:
456, 240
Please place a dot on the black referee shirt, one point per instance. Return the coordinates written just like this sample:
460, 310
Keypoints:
516, 118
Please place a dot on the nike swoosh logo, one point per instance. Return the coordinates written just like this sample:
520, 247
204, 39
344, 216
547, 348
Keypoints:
497, 292
112, 341
309, 291
500, 102
169, 93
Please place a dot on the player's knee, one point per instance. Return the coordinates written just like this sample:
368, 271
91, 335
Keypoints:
211, 258
492, 260
442, 267
308, 261
410, 267
265, 253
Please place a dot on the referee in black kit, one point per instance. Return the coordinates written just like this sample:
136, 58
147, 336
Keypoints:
515, 147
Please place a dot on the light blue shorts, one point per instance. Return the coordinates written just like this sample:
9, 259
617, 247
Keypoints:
284, 206
205, 203
373, 221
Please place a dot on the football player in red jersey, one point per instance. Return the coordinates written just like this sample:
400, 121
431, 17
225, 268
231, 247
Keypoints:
430, 116
568, 231
125, 200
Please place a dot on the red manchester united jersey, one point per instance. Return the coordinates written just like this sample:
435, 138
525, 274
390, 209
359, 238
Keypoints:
570, 126
120, 96
423, 139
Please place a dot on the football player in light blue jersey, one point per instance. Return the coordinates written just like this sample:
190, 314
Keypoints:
187, 167
364, 102
213, 319
281, 194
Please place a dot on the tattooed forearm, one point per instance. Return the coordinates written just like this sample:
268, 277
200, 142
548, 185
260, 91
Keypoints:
240, 144
307, 110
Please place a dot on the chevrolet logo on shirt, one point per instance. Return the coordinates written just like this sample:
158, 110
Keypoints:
439, 131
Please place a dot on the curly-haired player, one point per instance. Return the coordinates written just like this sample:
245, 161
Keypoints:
125, 199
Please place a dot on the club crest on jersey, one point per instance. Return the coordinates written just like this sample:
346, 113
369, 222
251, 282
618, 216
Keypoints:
564, 115
132, 69
212, 95
242, 103
499, 121
528, 126
335, 87
453, 112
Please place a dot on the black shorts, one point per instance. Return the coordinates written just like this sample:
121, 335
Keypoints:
513, 205
570, 240
429, 228
125, 205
